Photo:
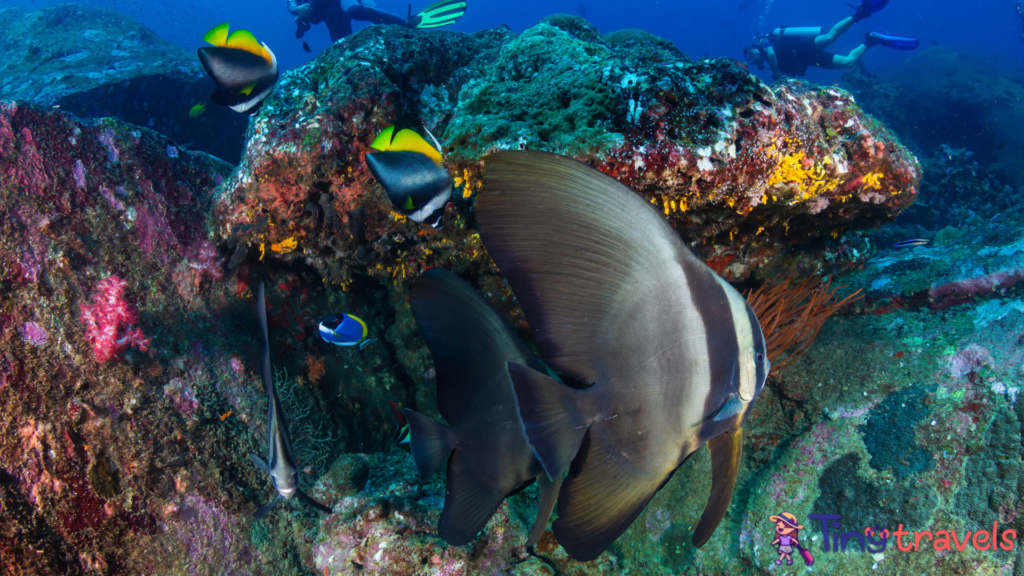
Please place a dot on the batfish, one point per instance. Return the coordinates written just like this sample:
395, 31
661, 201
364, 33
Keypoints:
666, 354
488, 457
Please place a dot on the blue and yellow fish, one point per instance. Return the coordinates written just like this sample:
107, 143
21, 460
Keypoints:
345, 330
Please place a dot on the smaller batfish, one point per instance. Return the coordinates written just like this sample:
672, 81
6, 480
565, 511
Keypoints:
281, 465
345, 330
487, 454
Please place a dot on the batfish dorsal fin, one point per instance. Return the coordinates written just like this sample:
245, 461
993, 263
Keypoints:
578, 248
469, 501
726, 450
218, 35
469, 341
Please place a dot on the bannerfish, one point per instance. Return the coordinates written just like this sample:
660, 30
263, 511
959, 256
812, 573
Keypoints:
306, 47
196, 111
667, 355
280, 462
244, 70
403, 436
410, 171
911, 242
345, 330
488, 456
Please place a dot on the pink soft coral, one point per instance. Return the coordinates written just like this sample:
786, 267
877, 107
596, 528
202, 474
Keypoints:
105, 320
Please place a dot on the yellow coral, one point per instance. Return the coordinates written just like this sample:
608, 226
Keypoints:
810, 181
872, 180
286, 246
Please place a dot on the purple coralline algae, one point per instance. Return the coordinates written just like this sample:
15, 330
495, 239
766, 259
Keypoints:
33, 333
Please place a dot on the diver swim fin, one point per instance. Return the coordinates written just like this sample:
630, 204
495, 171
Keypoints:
894, 42
438, 14
867, 8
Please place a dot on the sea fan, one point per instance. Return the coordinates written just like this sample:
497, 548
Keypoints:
792, 314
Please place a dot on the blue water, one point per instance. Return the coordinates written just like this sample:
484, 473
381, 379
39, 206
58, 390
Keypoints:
989, 28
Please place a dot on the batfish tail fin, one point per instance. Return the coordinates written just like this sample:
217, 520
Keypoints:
726, 450
431, 443
469, 501
550, 414
545, 506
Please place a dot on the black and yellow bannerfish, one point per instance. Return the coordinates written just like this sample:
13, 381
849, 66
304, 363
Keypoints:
244, 70
411, 172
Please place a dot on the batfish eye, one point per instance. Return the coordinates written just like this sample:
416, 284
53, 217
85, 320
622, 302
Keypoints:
759, 357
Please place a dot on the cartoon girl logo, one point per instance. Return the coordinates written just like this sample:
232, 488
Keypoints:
786, 533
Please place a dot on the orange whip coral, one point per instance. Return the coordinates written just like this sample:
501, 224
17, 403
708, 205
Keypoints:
792, 314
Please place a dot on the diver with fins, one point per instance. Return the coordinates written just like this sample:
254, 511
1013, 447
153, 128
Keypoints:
790, 51
339, 14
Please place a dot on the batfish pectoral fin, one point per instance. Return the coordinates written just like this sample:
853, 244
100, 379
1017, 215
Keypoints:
260, 463
550, 415
430, 442
545, 506
266, 509
731, 407
470, 500
726, 449
308, 500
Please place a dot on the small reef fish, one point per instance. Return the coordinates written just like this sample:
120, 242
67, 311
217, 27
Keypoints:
244, 70
410, 171
306, 47
403, 436
911, 242
483, 444
659, 354
196, 111
345, 330
280, 464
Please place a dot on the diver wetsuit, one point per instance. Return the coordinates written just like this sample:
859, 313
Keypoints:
338, 15
795, 50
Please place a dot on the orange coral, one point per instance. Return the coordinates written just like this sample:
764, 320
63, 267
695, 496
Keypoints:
314, 368
792, 314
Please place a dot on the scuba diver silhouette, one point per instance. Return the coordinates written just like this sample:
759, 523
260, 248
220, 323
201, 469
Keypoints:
790, 51
339, 14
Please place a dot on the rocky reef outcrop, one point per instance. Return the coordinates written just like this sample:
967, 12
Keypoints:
96, 62
740, 168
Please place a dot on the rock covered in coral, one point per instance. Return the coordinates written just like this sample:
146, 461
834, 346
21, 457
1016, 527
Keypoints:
117, 356
740, 168
95, 62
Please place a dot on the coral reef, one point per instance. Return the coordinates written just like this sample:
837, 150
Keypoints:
740, 168
96, 62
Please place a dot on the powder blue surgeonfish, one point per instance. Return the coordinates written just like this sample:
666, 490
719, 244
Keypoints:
487, 455
662, 354
280, 464
345, 330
